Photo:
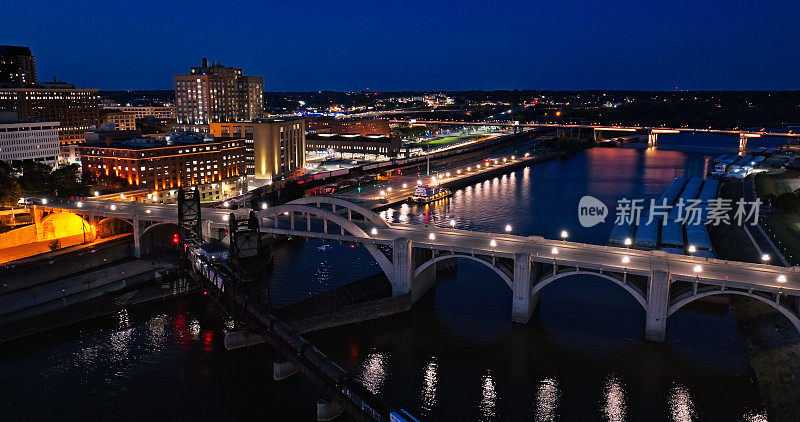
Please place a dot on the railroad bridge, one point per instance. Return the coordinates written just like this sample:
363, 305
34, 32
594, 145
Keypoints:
661, 283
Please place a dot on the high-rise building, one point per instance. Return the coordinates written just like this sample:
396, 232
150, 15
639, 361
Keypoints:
76, 109
275, 147
362, 127
28, 141
216, 93
17, 66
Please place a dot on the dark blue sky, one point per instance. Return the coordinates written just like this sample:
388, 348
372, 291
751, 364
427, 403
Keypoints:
417, 45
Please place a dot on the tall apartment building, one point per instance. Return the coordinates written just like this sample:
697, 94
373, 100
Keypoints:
76, 109
17, 66
162, 165
275, 147
216, 93
28, 141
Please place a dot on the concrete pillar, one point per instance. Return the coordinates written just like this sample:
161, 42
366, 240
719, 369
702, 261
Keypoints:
282, 369
241, 338
37, 221
652, 139
657, 306
523, 304
597, 135
402, 267
328, 410
137, 238
742, 142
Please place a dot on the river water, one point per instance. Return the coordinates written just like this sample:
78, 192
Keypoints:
454, 356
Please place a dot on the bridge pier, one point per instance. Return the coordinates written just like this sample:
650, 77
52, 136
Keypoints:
328, 410
282, 369
137, 238
652, 139
657, 306
37, 221
742, 142
240, 339
523, 303
403, 271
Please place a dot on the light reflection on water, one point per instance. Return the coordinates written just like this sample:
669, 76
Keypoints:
488, 406
613, 407
428, 396
681, 406
374, 371
547, 396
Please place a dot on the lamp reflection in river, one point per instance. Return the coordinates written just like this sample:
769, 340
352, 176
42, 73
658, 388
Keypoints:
613, 407
374, 371
547, 400
429, 381
488, 397
681, 406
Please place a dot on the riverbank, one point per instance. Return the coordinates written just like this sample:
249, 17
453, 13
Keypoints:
771, 341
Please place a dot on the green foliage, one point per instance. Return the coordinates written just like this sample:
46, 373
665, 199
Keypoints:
35, 177
10, 191
291, 191
54, 245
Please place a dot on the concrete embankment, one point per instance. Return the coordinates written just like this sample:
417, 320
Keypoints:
42, 298
39, 269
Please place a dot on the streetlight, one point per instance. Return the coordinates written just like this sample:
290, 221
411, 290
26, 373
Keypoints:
96, 193
113, 207
626, 259
405, 185
419, 182
147, 211
508, 228
628, 241
452, 223
263, 205
781, 278
554, 251
493, 243
374, 231
697, 269
226, 204
692, 249
564, 235
432, 236
79, 204
44, 201
765, 258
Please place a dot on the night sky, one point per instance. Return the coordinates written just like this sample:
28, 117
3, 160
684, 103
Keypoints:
417, 45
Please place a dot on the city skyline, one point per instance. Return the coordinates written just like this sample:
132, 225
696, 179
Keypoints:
309, 47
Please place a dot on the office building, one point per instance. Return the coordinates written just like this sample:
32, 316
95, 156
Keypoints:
17, 67
215, 93
121, 120
76, 109
352, 143
162, 165
140, 112
275, 147
28, 141
362, 127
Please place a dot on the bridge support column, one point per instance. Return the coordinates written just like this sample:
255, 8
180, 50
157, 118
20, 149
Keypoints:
597, 135
37, 221
652, 139
742, 142
137, 238
282, 369
328, 410
240, 339
402, 267
523, 303
657, 306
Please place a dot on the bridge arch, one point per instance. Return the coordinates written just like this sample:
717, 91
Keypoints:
793, 318
543, 282
342, 222
367, 213
63, 224
508, 279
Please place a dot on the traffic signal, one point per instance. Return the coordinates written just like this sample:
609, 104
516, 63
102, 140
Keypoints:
175, 238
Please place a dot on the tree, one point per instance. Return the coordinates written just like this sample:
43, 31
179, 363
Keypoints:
54, 245
9, 188
64, 179
34, 177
